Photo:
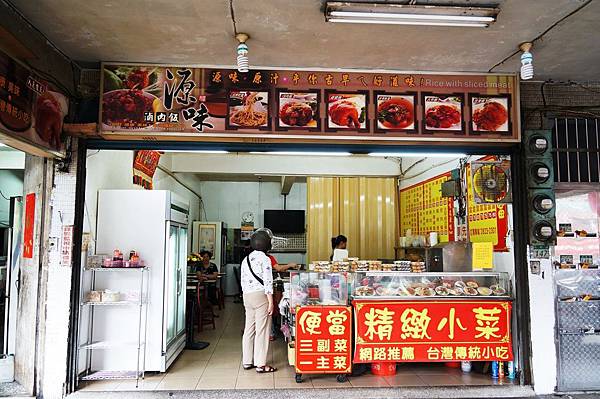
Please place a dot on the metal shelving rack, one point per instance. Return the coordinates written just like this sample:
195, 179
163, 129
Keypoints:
578, 329
139, 344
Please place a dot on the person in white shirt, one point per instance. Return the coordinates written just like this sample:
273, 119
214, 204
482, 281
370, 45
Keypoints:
257, 286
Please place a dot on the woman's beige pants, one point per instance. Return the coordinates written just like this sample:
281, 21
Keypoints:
255, 344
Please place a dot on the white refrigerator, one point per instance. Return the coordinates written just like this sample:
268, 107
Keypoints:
155, 224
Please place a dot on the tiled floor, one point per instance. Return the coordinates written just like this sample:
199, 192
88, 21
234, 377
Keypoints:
219, 367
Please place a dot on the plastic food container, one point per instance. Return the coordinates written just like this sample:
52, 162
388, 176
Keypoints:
111, 296
383, 369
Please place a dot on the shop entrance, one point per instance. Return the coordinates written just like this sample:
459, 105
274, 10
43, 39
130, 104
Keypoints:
429, 256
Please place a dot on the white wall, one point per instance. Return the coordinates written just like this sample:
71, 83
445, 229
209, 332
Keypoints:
108, 169
227, 201
12, 159
11, 185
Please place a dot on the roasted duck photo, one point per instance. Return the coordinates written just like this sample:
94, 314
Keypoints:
347, 112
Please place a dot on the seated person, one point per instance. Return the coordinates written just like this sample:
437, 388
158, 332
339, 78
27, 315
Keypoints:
208, 271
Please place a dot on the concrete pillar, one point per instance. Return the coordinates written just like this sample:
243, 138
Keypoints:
38, 179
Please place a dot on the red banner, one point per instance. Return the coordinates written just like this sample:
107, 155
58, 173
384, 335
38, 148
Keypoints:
144, 165
432, 331
324, 340
29, 224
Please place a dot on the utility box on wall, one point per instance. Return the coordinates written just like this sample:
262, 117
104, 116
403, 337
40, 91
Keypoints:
540, 186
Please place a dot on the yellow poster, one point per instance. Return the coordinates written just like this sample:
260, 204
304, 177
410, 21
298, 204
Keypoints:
483, 255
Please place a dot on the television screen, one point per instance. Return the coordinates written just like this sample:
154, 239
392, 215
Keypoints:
284, 221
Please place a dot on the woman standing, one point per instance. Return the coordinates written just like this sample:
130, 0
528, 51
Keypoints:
338, 242
257, 286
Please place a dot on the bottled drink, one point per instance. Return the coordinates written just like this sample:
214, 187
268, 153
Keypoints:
465, 366
495, 369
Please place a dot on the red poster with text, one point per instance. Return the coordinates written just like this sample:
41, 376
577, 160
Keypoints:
29, 224
432, 331
324, 340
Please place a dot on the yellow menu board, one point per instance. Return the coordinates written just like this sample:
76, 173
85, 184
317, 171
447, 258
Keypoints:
424, 210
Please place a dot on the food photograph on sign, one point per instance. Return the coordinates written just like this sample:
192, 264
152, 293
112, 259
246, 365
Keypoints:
248, 109
443, 113
298, 109
130, 95
395, 112
347, 111
490, 114
30, 108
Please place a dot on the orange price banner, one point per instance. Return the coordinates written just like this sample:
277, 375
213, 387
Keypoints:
432, 331
324, 340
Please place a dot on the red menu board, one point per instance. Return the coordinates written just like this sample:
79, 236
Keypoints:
432, 331
29, 226
324, 340
207, 104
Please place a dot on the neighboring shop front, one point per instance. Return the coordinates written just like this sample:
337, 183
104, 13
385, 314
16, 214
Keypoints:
432, 216
31, 122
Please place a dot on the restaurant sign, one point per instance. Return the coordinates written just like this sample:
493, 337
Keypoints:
324, 339
31, 111
432, 331
161, 102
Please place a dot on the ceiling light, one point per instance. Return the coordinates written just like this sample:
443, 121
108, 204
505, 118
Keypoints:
373, 13
416, 155
301, 153
526, 61
243, 64
3, 145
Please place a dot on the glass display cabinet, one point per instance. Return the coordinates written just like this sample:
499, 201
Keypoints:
318, 288
396, 285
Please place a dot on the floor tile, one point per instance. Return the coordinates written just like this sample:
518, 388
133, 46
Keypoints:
328, 381
178, 384
290, 383
476, 379
220, 373
405, 380
369, 381
144, 385
100, 385
216, 383
259, 381
436, 380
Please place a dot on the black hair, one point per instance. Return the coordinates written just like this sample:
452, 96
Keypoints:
206, 252
335, 241
260, 241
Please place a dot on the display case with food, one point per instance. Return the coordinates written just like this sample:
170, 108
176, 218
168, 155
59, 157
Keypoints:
490, 114
443, 113
398, 285
347, 111
315, 288
395, 112
298, 110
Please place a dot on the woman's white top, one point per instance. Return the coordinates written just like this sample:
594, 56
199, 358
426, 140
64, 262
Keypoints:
261, 265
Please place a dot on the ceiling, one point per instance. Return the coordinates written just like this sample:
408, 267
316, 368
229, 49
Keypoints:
292, 33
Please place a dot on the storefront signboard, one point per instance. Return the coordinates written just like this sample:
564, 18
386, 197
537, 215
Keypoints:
31, 110
324, 340
432, 331
215, 104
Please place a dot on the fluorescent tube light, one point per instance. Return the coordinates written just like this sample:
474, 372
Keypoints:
199, 151
3, 145
301, 153
416, 155
378, 13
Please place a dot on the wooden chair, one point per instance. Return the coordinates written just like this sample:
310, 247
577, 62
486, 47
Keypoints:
221, 291
206, 316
